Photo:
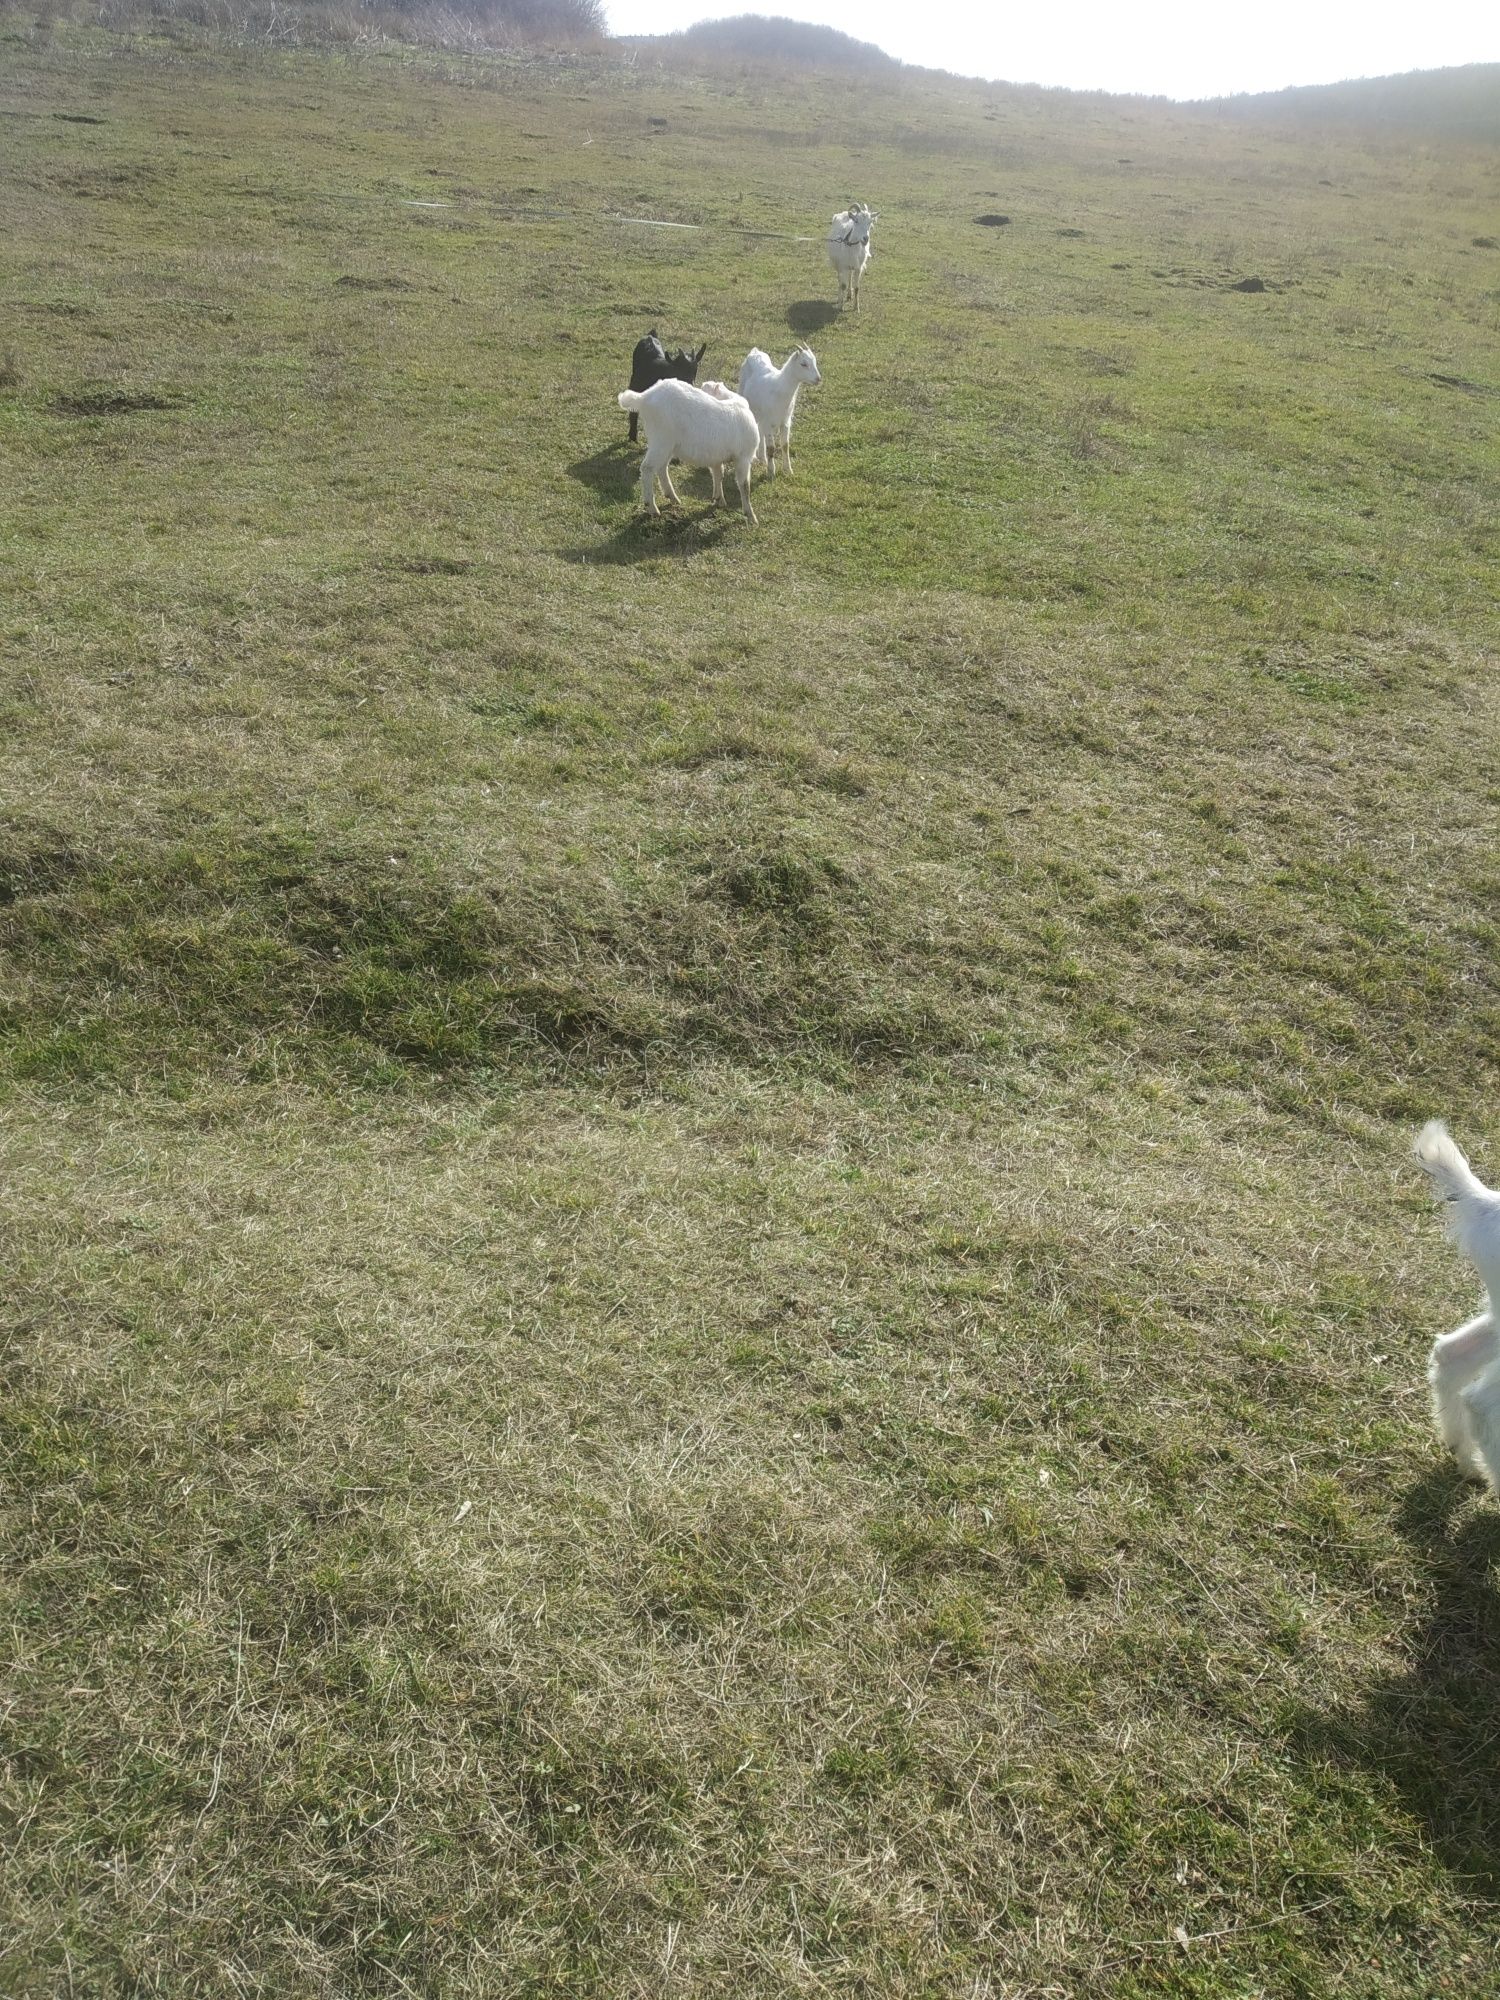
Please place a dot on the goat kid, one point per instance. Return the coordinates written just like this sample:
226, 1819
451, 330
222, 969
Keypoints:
1464, 1368
771, 393
711, 426
651, 363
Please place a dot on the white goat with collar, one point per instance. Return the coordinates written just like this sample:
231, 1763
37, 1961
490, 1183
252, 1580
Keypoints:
849, 249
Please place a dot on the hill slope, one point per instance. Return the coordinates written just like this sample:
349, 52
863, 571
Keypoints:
712, 1280
768, 38
1461, 104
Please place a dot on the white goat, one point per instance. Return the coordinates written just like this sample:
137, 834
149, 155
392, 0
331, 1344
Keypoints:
1464, 1370
712, 427
849, 249
771, 393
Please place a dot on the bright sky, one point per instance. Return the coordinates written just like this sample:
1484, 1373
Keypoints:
1173, 48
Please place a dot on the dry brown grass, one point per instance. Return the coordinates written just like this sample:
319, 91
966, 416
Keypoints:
711, 1281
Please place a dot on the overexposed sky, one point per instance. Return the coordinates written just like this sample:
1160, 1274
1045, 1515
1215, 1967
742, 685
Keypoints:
1166, 47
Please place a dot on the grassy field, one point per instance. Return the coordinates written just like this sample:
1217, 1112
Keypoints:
712, 1280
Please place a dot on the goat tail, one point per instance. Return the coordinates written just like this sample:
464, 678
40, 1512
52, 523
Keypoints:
632, 399
1445, 1166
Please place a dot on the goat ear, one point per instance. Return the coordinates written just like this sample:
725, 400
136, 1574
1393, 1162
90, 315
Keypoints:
700, 354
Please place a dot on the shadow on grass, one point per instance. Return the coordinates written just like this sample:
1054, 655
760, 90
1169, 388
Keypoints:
613, 471
810, 316
1431, 1729
675, 533
685, 531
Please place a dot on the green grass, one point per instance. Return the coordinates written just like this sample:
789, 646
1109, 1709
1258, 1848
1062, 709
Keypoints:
712, 1284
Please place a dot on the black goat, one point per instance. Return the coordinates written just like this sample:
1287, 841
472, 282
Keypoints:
651, 364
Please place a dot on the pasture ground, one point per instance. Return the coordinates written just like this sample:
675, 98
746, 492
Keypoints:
712, 1281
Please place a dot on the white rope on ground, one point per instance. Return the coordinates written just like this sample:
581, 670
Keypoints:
497, 206
733, 229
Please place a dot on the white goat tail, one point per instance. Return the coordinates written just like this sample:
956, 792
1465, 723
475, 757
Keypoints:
1439, 1156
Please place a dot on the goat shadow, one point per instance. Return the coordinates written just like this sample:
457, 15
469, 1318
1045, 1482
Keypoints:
612, 471
1431, 1730
685, 531
676, 532
810, 316
644, 540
